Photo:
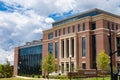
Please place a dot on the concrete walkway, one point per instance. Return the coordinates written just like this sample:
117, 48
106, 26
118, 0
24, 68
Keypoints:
34, 78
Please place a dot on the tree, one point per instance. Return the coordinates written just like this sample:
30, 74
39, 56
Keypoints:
48, 64
7, 70
103, 61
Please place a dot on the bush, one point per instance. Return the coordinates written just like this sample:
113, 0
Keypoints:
32, 75
38, 76
58, 77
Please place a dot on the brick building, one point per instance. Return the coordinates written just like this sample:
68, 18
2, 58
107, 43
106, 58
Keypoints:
82, 37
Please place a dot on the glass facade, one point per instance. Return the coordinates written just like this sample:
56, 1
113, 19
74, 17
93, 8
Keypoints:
83, 46
29, 61
50, 35
50, 47
56, 50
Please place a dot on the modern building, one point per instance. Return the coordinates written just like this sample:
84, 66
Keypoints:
82, 37
27, 58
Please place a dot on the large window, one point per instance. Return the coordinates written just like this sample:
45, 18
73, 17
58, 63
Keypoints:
68, 29
94, 51
108, 25
116, 26
59, 32
84, 27
73, 28
62, 66
50, 47
83, 46
112, 26
50, 35
78, 27
56, 33
93, 25
56, 50
64, 30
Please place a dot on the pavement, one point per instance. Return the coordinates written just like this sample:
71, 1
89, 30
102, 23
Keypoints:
34, 78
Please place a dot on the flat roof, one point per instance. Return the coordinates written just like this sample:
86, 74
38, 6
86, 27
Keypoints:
81, 14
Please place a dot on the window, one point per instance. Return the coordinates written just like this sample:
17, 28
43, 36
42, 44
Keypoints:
50, 47
68, 29
56, 50
64, 31
62, 67
83, 26
108, 45
72, 47
108, 25
72, 66
50, 35
59, 32
112, 26
67, 66
94, 51
116, 26
55, 33
83, 65
93, 25
73, 28
78, 27
83, 46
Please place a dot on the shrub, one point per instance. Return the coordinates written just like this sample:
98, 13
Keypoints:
32, 75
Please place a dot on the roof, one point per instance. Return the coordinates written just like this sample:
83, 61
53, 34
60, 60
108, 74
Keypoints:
81, 14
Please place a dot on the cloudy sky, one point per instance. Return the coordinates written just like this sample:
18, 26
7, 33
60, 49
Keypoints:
24, 20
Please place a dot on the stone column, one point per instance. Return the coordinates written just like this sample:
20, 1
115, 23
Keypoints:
75, 52
65, 48
70, 47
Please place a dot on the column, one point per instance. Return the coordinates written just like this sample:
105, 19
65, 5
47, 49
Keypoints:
70, 47
75, 52
65, 48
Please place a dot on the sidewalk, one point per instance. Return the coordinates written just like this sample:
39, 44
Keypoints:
34, 78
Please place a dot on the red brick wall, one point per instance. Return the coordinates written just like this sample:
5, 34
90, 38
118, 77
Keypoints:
16, 53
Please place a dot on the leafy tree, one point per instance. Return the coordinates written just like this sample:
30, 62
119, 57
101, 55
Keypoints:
7, 70
48, 64
103, 61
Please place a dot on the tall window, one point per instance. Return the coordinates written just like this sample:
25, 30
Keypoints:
78, 27
56, 50
59, 32
112, 26
108, 25
50, 35
93, 25
83, 65
50, 47
116, 26
83, 46
55, 33
83, 26
64, 31
67, 66
73, 28
62, 67
68, 29
94, 51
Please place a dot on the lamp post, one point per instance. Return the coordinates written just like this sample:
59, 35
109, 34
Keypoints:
111, 68
70, 67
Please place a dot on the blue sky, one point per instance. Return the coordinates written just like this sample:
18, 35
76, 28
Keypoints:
24, 20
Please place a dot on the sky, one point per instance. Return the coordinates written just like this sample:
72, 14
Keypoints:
24, 20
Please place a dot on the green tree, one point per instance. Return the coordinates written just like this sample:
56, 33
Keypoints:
48, 64
1, 70
103, 61
7, 70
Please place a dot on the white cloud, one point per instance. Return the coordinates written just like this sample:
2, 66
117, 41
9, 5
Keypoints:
28, 21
